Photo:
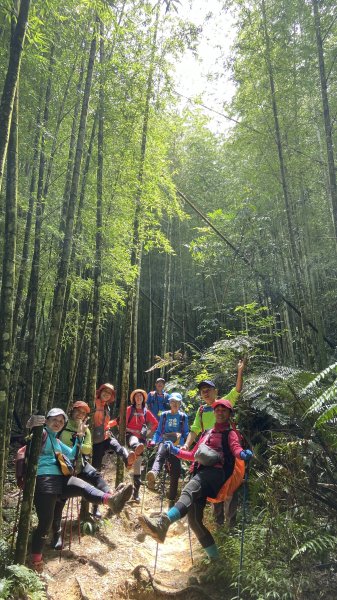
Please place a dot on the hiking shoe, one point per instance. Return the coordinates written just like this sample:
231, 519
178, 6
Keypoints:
139, 449
151, 479
130, 459
57, 542
156, 528
119, 499
96, 512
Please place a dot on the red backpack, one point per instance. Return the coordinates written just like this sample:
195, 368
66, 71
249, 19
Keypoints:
21, 461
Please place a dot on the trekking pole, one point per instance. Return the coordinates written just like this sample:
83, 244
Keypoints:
144, 486
190, 541
64, 528
244, 513
71, 523
161, 510
78, 519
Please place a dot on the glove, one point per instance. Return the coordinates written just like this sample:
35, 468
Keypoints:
151, 444
171, 448
246, 455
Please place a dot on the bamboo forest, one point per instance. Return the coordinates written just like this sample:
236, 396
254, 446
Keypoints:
168, 307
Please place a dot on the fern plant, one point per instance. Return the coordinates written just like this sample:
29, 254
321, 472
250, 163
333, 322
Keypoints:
22, 584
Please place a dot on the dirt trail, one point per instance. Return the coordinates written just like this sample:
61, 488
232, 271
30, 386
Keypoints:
101, 566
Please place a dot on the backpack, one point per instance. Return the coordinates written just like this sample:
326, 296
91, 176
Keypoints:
21, 461
234, 471
132, 412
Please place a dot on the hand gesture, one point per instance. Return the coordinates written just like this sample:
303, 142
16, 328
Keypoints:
82, 428
35, 421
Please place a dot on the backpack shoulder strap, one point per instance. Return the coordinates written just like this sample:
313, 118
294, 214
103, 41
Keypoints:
201, 410
132, 412
164, 415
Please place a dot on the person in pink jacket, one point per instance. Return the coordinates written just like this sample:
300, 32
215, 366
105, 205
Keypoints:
213, 461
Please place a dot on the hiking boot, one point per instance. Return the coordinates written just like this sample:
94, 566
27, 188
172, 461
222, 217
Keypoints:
37, 566
151, 479
96, 512
139, 449
57, 542
156, 528
118, 500
128, 458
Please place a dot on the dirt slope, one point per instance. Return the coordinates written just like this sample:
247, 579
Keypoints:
101, 566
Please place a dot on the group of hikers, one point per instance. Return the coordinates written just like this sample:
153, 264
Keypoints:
71, 458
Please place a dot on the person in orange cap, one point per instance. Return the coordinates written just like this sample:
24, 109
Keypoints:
138, 419
103, 440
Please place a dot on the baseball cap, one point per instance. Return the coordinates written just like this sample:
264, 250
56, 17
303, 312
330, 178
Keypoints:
206, 382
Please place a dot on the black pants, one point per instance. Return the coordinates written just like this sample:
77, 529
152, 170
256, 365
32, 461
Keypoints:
91, 476
174, 469
49, 489
193, 498
98, 451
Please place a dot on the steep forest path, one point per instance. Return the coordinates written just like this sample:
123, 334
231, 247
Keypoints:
101, 566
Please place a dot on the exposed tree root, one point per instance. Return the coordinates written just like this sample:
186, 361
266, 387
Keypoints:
192, 592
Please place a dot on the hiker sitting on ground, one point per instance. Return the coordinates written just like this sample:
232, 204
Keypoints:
173, 425
213, 457
51, 483
158, 400
103, 440
138, 419
204, 420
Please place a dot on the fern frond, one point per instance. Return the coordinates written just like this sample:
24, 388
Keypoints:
325, 398
319, 379
316, 545
328, 414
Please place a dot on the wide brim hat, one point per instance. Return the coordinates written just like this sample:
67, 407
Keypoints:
83, 405
223, 402
56, 412
138, 391
107, 386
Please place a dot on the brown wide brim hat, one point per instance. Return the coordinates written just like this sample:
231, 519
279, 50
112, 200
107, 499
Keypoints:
132, 395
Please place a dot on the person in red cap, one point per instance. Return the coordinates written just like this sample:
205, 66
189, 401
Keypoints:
103, 440
213, 459
138, 419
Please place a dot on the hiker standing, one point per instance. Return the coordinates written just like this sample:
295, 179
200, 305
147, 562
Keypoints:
214, 457
203, 421
158, 400
103, 440
52, 483
173, 426
138, 419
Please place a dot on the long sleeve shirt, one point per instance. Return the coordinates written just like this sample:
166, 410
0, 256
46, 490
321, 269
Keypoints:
157, 403
213, 439
136, 419
48, 463
205, 418
172, 423
68, 437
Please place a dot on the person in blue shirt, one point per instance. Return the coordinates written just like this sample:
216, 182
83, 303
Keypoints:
158, 400
173, 426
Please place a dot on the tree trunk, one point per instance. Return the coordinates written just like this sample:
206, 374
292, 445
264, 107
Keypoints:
7, 289
63, 267
326, 115
12, 76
